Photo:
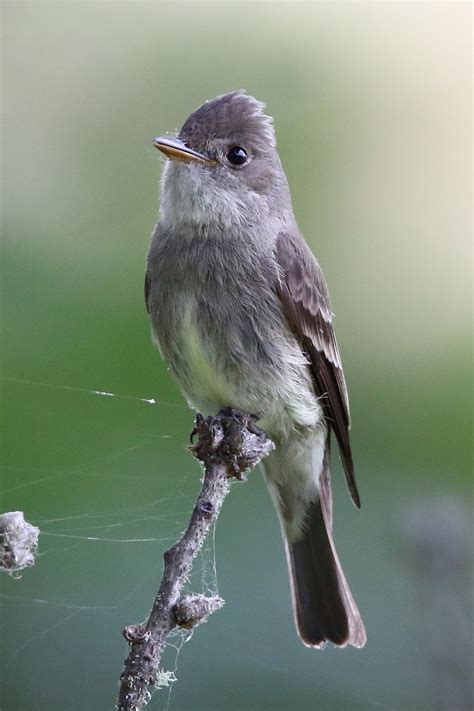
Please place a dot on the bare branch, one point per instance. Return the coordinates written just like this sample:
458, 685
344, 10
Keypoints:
228, 445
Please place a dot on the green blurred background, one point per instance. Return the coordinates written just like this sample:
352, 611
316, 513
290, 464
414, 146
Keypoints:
372, 112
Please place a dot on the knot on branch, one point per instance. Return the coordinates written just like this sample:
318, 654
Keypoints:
136, 634
206, 508
231, 438
194, 609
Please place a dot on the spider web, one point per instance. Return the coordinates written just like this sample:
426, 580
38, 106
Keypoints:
92, 534
81, 534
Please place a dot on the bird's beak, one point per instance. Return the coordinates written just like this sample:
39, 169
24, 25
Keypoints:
176, 149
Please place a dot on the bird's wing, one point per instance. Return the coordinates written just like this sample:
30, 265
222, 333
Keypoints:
305, 300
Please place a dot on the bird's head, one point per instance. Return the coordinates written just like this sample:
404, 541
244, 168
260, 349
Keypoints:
223, 166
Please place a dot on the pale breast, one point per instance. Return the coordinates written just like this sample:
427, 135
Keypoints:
204, 381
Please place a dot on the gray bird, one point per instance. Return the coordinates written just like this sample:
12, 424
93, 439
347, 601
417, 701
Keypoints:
239, 309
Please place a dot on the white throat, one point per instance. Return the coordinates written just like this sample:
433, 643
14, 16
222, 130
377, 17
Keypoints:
191, 196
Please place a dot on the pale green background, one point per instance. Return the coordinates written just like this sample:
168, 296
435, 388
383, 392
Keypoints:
372, 107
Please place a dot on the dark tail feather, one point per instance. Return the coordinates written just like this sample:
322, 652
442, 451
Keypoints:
323, 606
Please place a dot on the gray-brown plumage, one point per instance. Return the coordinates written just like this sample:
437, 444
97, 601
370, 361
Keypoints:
240, 310
305, 298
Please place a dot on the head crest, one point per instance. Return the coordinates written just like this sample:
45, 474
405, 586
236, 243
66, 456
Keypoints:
235, 116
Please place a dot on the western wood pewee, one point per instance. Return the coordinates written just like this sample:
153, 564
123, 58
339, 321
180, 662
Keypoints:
240, 311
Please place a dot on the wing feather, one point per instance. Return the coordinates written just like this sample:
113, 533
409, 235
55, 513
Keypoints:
305, 300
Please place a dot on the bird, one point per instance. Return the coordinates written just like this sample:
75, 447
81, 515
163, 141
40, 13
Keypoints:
240, 311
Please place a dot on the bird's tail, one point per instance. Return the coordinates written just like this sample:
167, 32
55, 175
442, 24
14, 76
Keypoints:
323, 606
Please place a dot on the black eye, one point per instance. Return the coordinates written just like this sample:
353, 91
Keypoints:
237, 155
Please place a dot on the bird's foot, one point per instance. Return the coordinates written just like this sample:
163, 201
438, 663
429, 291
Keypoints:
231, 437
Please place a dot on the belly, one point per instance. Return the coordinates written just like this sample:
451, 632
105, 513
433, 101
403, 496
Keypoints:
205, 377
227, 360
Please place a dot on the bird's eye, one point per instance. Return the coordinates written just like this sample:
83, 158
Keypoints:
237, 155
